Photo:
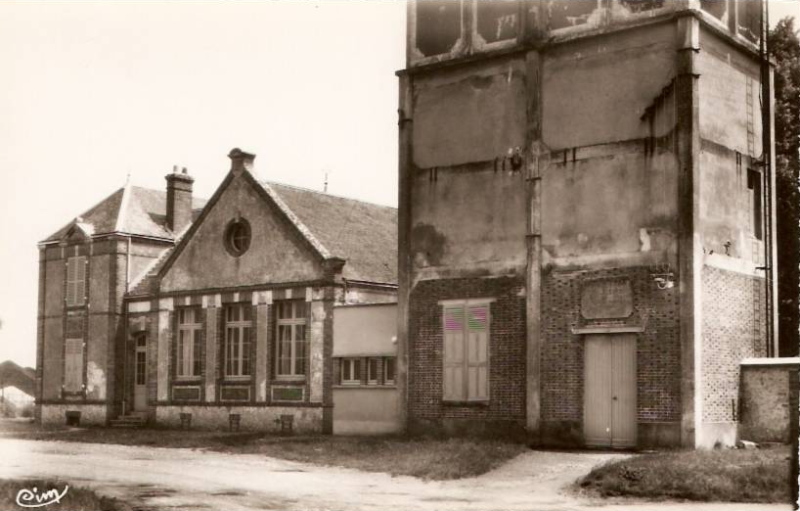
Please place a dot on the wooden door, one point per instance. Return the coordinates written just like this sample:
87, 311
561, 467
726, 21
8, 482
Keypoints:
609, 418
140, 374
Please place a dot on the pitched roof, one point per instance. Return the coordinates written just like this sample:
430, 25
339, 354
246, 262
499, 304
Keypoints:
364, 235
361, 233
129, 210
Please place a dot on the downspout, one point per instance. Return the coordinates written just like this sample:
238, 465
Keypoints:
125, 336
769, 185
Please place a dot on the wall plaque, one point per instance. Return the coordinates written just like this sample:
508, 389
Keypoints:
607, 299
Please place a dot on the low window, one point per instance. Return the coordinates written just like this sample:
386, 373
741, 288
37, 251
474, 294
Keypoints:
389, 371
351, 371
373, 370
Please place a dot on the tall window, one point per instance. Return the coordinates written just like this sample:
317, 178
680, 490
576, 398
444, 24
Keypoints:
141, 359
238, 328
73, 353
466, 351
756, 209
291, 339
76, 281
190, 343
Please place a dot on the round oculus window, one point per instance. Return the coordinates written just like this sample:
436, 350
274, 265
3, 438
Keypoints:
237, 237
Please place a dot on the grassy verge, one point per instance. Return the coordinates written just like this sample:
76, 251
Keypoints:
759, 475
76, 498
427, 458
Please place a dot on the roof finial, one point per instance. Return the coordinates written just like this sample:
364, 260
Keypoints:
325, 187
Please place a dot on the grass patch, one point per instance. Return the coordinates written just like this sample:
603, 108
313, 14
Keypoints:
427, 458
76, 498
758, 475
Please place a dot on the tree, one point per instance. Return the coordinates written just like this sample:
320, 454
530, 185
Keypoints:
784, 47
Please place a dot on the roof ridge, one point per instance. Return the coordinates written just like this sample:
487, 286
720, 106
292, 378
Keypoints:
326, 194
122, 214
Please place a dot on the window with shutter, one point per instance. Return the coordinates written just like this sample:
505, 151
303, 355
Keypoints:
466, 351
454, 353
76, 280
73, 352
73, 365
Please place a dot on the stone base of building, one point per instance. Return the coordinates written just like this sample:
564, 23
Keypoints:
74, 414
714, 434
250, 418
561, 434
653, 435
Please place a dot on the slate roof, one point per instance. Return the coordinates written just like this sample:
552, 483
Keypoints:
361, 233
130, 210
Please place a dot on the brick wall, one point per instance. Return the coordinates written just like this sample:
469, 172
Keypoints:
733, 329
506, 350
658, 346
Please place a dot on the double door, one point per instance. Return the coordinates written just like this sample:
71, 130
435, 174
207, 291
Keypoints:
609, 416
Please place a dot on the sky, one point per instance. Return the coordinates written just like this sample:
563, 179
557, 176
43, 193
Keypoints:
94, 94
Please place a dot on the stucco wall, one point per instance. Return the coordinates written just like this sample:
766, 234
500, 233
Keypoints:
364, 330
365, 411
276, 253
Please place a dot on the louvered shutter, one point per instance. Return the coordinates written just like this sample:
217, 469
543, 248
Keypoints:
76, 280
73, 365
478, 353
454, 353
80, 280
70, 281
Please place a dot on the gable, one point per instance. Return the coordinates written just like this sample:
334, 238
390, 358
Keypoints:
277, 253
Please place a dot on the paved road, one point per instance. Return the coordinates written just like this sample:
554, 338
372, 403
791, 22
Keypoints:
192, 480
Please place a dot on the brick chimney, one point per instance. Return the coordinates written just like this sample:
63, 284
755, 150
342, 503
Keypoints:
179, 199
241, 160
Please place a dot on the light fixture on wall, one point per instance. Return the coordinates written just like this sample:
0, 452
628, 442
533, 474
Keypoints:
663, 276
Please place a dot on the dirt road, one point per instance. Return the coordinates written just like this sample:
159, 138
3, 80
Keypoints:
187, 479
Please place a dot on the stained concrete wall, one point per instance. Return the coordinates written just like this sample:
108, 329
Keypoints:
276, 253
596, 90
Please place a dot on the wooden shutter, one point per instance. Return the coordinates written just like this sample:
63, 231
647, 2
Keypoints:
453, 353
73, 365
76, 280
478, 352
70, 280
